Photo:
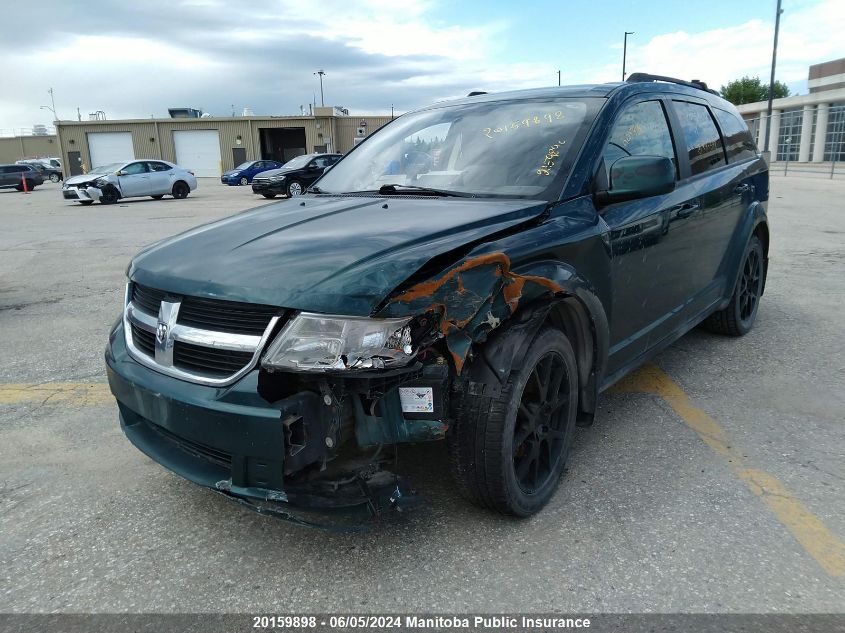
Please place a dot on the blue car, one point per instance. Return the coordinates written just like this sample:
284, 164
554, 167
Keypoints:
243, 173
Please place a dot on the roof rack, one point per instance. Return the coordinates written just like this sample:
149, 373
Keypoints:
636, 78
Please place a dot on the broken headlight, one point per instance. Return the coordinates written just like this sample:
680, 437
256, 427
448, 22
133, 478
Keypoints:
316, 342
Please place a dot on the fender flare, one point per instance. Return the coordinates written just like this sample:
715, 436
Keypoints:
575, 309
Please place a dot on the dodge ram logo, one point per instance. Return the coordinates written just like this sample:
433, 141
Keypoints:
161, 332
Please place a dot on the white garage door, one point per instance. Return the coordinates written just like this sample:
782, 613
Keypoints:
199, 151
110, 147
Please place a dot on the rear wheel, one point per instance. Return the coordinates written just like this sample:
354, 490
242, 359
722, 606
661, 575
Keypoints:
180, 190
738, 318
54, 177
508, 451
244, 181
294, 188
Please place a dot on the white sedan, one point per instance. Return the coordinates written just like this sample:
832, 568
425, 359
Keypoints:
110, 183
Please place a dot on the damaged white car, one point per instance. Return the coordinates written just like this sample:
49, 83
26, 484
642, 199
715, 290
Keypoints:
110, 183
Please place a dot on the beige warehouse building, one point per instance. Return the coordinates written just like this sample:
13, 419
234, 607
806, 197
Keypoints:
211, 145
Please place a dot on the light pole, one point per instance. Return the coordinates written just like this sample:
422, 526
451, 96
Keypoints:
772, 81
625, 52
558, 78
321, 73
53, 101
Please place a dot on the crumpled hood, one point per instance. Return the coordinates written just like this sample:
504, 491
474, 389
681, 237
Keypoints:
75, 180
332, 255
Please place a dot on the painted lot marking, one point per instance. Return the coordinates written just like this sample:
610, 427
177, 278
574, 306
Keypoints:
805, 527
808, 530
79, 393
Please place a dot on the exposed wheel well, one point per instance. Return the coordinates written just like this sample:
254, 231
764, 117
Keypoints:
570, 317
762, 233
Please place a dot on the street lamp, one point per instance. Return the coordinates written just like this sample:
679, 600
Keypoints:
772, 79
625, 52
322, 100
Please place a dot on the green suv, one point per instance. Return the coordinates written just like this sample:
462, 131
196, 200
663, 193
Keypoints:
477, 271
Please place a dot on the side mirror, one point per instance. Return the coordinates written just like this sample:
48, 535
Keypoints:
633, 177
118, 173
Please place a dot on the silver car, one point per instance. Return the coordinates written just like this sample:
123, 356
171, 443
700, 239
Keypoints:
110, 183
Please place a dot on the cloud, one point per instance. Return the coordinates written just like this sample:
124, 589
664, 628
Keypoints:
136, 59
809, 34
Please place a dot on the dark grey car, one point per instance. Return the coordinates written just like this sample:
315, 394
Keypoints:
13, 176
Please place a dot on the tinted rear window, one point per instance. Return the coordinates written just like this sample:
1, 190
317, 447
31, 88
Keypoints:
738, 142
703, 140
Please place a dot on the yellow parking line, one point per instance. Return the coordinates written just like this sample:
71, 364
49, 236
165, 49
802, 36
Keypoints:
79, 393
808, 530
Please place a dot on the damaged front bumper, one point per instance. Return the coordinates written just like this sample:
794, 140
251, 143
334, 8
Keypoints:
238, 443
81, 193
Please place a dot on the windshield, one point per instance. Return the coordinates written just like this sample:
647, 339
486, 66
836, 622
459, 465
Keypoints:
245, 165
298, 162
103, 169
514, 149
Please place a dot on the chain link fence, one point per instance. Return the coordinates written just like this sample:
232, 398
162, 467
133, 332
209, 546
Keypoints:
793, 152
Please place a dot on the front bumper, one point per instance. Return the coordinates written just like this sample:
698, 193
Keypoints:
231, 180
277, 188
81, 193
229, 439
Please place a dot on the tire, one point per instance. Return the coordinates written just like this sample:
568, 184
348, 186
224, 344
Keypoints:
244, 181
738, 318
508, 451
269, 195
180, 190
109, 195
54, 177
158, 197
85, 202
294, 188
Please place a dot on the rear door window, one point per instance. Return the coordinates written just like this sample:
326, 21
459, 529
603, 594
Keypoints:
703, 141
738, 142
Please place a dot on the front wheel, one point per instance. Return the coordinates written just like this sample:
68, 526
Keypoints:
294, 188
244, 181
54, 177
109, 195
508, 451
180, 190
738, 318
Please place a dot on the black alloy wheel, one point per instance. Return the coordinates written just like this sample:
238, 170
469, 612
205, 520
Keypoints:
180, 190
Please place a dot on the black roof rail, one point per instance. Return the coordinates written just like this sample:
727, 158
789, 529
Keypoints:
635, 78
475, 93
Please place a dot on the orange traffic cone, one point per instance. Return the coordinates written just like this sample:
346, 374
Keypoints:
25, 188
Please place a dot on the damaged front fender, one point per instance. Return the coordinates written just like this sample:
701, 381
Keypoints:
472, 298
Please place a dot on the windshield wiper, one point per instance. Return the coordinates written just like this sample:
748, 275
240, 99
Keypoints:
394, 189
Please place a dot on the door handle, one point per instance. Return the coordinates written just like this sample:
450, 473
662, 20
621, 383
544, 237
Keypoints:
743, 188
686, 209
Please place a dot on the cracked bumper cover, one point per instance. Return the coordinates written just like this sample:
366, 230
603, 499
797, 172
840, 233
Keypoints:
228, 439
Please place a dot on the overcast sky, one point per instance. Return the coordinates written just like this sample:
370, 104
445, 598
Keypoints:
139, 57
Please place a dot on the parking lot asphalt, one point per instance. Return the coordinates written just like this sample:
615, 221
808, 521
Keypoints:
712, 480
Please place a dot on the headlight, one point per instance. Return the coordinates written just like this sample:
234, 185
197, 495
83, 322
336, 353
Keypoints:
277, 178
315, 342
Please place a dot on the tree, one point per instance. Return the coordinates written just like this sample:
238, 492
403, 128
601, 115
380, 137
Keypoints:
751, 90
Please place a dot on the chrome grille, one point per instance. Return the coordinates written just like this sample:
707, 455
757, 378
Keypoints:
208, 341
